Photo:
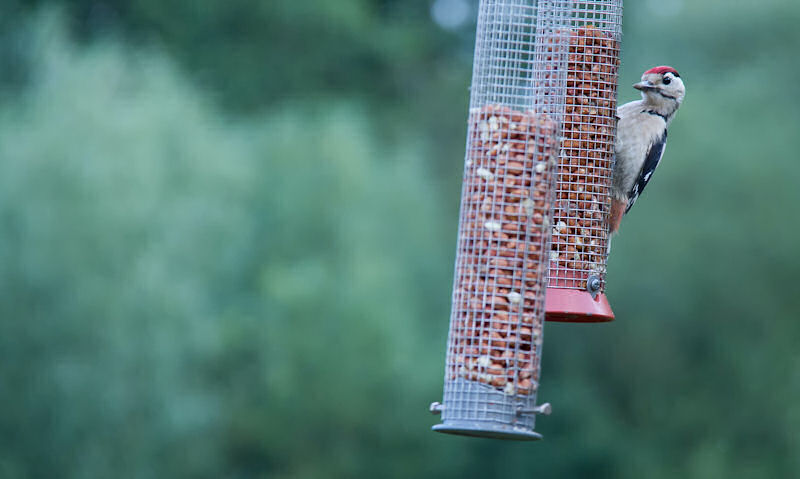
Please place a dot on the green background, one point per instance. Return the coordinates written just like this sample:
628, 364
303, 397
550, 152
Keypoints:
227, 233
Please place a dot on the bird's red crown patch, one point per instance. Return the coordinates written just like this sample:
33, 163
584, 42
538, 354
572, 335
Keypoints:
663, 69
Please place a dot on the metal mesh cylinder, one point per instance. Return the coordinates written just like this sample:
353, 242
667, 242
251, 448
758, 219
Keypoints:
580, 230
516, 107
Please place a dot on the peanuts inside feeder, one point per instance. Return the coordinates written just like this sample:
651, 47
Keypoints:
579, 246
539, 123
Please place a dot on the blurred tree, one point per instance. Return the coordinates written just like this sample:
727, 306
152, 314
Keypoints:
188, 295
259, 53
249, 56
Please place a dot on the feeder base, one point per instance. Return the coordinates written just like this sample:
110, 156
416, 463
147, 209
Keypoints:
479, 429
575, 306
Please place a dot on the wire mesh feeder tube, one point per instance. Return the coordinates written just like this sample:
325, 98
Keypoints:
579, 246
495, 338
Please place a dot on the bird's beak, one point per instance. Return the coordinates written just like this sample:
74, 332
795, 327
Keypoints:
644, 86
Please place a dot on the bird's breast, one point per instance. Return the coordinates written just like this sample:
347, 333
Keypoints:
636, 132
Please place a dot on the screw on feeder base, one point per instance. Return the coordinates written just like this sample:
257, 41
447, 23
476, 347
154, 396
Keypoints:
593, 285
436, 408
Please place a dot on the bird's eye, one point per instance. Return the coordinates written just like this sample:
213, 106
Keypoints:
667, 81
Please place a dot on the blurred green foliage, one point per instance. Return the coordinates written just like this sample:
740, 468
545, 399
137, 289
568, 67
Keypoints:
227, 233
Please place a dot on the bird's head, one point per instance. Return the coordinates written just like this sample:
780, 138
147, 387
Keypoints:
662, 86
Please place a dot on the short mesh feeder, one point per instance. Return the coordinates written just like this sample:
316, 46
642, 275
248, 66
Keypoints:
506, 221
579, 245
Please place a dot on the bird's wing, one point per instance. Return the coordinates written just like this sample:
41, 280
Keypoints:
654, 155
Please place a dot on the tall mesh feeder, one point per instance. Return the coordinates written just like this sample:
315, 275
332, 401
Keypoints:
506, 219
579, 245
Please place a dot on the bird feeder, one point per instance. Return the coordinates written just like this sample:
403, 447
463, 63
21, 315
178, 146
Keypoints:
534, 62
579, 246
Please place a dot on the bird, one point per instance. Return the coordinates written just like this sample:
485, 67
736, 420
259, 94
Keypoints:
642, 137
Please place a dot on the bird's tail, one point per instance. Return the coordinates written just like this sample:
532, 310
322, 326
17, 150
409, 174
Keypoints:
615, 218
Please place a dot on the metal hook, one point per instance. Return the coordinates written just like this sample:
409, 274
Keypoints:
544, 409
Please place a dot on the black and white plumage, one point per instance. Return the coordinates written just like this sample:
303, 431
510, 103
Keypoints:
642, 137
654, 155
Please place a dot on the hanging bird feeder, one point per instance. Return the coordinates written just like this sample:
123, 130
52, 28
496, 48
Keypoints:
535, 193
579, 246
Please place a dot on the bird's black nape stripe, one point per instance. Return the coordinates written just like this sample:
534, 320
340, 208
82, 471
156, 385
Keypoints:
653, 112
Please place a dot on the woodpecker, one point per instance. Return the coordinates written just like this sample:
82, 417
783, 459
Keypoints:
642, 136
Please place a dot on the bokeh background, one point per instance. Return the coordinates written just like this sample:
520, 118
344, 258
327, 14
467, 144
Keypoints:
227, 233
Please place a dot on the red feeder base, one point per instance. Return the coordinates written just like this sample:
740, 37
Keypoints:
576, 306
